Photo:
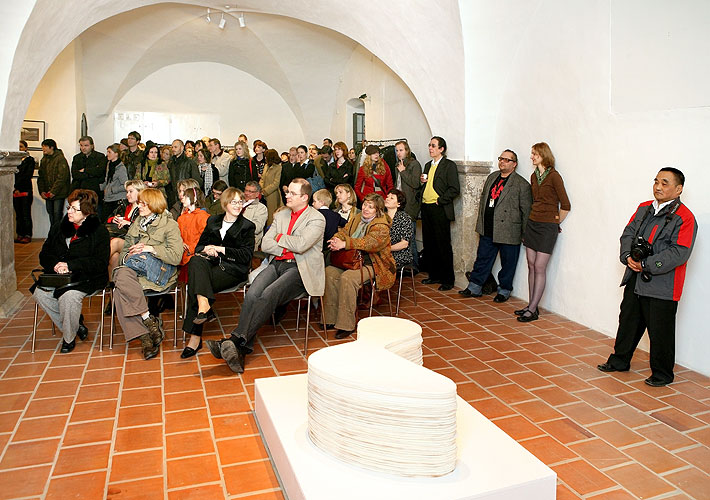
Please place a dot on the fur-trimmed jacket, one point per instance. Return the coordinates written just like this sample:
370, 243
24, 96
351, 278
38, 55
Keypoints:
86, 256
376, 243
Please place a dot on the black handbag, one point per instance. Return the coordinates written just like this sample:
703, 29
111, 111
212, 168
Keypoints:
51, 280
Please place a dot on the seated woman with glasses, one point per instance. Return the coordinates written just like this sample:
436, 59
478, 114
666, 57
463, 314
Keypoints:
78, 244
369, 232
149, 260
222, 260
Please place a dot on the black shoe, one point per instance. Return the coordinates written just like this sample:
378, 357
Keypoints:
67, 347
328, 326
233, 356
342, 334
520, 312
445, 288
528, 316
189, 352
468, 293
82, 332
656, 382
500, 298
215, 347
204, 317
429, 281
608, 367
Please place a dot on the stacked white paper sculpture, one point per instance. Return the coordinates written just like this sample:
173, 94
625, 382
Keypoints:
379, 408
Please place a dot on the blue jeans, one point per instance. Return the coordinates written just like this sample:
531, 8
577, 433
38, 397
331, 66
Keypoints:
148, 265
55, 209
486, 257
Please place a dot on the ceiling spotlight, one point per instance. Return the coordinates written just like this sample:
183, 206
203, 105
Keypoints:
242, 22
222, 22
208, 19
363, 96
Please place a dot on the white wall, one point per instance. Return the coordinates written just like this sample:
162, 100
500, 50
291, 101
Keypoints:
226, 100
391, 111
549, 72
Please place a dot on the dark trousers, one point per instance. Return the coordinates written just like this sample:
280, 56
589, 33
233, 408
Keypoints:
637, 314
436, 232
55, 209
206, 279
485, 258
23, 215
276, 285
108, 208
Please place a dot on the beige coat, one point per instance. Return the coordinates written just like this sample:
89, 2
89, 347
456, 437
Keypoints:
306, 243
270, 180
164, 236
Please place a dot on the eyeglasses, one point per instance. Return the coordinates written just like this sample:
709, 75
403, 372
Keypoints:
507, 160
142, 204
216, 193
236, 203
73, 209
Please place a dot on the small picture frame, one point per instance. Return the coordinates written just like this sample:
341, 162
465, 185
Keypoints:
34, 132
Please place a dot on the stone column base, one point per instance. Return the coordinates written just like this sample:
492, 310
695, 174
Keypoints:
464, 239
10, 298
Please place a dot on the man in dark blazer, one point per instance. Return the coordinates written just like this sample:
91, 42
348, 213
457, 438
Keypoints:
504, 208
440, 186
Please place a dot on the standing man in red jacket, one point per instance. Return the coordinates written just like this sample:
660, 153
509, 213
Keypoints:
655, 247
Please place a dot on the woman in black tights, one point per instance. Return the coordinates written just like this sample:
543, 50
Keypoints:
550, 207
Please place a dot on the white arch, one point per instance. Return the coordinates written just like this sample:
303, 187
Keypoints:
426, 53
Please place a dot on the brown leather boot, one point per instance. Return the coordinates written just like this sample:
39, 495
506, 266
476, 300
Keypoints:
155, 328
149, 349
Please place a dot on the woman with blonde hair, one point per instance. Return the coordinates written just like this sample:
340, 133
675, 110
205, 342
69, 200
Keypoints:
242, 168
148, 261
121, 218
369, 231
374, 176
345, 201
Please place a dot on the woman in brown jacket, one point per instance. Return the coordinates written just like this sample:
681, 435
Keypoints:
368, 231
550, 207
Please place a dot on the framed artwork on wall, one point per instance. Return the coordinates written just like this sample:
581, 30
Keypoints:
34, 132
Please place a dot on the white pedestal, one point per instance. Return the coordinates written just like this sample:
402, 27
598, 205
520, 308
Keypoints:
490, 463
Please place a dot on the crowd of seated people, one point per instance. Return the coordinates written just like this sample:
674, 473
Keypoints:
197, 212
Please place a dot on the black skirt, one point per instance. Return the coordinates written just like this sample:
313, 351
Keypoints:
541, 236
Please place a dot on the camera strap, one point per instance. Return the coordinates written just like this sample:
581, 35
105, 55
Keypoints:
674, 207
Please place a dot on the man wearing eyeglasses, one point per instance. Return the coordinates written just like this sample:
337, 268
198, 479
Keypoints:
504, 208
294, 243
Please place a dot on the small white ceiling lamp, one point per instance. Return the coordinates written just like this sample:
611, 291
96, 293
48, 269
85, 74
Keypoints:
208, 19
242, 22
222, 22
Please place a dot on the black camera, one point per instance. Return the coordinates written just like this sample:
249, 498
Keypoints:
641, 249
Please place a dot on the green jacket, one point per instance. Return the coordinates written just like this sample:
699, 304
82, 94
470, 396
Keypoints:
54, 175
164, 236
132, 161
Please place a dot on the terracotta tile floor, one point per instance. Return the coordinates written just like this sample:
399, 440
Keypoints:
111, 425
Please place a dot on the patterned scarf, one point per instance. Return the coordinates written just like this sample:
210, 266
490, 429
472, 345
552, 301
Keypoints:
147, 221
206, 173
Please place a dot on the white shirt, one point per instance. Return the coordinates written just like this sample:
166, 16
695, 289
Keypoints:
660, 207
225, 227
221, 163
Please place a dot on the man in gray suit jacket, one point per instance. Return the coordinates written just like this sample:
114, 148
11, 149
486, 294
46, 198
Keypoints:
295, 242
505, 205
